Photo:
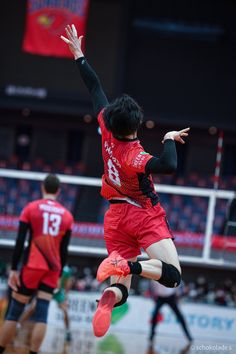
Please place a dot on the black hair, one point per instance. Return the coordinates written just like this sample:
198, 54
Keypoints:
123, 116
51, 184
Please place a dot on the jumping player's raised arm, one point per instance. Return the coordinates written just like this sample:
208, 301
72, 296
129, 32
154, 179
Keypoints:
167, 162
88, 75
140, 161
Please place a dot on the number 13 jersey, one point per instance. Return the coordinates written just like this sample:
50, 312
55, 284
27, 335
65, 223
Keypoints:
124, 170
48, 221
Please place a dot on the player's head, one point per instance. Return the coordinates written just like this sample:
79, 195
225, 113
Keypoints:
123, 116
51, 185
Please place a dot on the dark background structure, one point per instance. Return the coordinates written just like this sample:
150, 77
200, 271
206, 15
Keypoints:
176, 58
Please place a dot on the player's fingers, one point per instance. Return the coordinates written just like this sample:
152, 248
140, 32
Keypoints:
74, 30
184, 134
181, 140
68, 33
18, 281
66, 40
80, 39
69, 29
12, 285
71, 32
178, 138
184, 130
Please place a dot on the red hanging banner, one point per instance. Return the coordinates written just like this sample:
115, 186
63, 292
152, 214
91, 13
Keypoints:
46, 21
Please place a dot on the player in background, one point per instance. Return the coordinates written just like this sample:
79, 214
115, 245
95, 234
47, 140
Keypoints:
135, 218
48, 225
60, 296
163, 295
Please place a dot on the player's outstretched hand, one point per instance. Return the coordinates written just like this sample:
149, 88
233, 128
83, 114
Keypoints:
177, 135
73, 41
14, 280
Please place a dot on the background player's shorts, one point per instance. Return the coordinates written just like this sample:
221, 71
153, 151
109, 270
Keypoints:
128, 228
37, 279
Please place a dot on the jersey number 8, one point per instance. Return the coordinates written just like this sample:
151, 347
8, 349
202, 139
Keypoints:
113, 173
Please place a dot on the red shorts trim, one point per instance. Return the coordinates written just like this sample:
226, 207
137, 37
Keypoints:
128, 228
33, 278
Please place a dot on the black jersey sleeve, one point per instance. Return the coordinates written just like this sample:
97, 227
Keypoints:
19, 246
166, 163
64, 248
93, 85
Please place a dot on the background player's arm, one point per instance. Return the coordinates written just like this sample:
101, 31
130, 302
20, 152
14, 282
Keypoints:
64, 248
88, 75
167, 162
14, 280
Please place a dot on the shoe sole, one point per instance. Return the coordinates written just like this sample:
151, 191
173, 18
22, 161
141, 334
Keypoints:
102, 317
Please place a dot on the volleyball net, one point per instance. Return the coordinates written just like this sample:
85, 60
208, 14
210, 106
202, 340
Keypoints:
197, 216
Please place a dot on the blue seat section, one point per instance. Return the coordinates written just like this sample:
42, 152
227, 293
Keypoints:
16, 193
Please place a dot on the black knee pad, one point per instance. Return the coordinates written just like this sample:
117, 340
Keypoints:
15, 310
41, 310
124, 292
170, 276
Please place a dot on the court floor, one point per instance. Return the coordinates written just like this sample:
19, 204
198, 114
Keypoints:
83, 342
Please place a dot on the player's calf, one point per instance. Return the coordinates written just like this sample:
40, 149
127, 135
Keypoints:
170, 275
41, 310
15, 310
124, 291
40, 317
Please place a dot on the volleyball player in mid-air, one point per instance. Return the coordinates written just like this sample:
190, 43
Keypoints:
135, 218
49, 225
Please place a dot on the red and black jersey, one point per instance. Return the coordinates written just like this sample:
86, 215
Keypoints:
124, 170
127, 167
48, 221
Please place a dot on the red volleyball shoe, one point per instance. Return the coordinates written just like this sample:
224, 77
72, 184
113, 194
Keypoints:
113, 265
102, 317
